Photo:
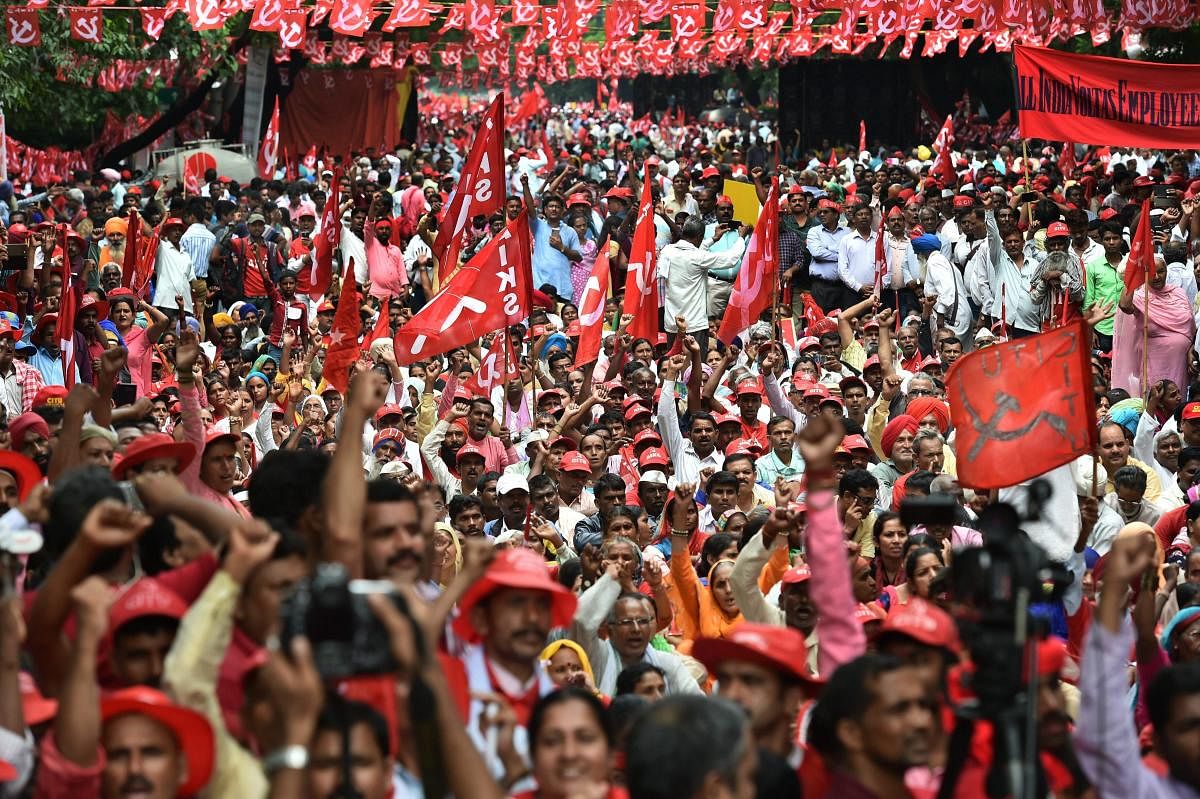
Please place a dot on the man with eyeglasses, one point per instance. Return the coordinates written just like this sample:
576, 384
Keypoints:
1129, 498
19, 382
857, 493
621, 638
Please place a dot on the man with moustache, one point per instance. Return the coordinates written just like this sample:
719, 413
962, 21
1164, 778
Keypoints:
394, 548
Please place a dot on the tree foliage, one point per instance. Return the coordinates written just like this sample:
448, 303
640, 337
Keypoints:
49, 94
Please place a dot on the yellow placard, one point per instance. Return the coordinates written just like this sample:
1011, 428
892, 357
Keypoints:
745, 201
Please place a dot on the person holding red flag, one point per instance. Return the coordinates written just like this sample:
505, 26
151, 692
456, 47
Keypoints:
555, 243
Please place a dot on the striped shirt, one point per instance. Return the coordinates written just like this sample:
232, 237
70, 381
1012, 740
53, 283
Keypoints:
197, 243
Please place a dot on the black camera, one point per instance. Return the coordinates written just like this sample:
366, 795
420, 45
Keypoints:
331, 610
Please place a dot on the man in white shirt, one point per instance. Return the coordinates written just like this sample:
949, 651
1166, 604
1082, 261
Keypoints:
856, 252
354, 245
173, 270
687, 267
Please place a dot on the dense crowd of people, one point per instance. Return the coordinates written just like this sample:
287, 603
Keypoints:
687, 568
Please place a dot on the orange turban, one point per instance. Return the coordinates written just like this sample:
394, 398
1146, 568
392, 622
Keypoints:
920, 407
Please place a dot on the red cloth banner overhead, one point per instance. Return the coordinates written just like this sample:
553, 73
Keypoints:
1100, 100
340, 109
996, 419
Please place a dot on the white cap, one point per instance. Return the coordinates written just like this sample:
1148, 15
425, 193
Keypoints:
395, 467
947, 193
507, 537
653, 476
22, 541
983, 334
511, 482
1082, 467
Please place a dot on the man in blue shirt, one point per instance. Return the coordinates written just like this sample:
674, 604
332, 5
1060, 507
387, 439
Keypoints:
555, 243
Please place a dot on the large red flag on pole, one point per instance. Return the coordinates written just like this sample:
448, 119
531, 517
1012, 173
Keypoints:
591, 311
66, 315
492, 291
480, 189
641, 277
943, 167
315, 280
1141, 251
997, 420
753, 287
343, 335
133, 237
268, 151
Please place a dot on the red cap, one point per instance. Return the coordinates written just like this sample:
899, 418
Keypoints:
383, 223
521, 569
191, 730
796, 574
575, 461
826, 203
816, 391
25, 473
325, 307
216, 434
807, 343
1142, 181
146, 597
725, 199
963, 201
569, 443
469, 449
1106, 214
172, 222
749, 386
710, 172
853, 380
923, 622
388, 409
872, 361
151, 446
646, 435
635, 410
726, 418
779, 649
88, 301
37, 708
54, 396
1190, 411
654, 456
855, 443
743, 446
579, 198
867, 612
386, 434
1057, 230
796, 190
8, 331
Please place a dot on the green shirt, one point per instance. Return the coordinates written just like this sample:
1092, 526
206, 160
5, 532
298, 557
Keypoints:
1102, 284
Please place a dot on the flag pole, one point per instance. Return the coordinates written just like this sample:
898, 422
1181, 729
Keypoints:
1146, 335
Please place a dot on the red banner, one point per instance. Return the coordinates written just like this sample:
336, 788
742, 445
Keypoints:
268, 151
1007, 431
1099, 100
641, 277
490, 292
315, 280
343, 336
755, 282
591, 311
480, 189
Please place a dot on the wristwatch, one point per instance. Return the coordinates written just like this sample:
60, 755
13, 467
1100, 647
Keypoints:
286, 757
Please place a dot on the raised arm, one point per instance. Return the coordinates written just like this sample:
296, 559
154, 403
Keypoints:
344, 493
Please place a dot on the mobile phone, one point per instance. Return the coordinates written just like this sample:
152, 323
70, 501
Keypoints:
124, 394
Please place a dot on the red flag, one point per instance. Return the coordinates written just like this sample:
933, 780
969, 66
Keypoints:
755, 282
641, 279
591, 311
66, 315
1141, 251
315, 280
1066, 160
133, 229
310, 158
490, 292
24, 27
480, 188
87, 25
494, 370
144, 269
382, 327
880, 253
343, 336
812, 312
996, 419
862, 135
833, 162
269, 150
943, 167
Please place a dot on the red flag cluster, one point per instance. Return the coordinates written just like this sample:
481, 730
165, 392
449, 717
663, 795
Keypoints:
754, 285
641, 277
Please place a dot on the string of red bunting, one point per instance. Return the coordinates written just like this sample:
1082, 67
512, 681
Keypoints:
524, 40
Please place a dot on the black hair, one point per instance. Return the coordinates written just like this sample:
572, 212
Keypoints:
609, 482
71, 499
1166, 689
714, 545
155, 544
1130, 477
846, 696
775, 420
881, 519
671, 737
855, 479
384, 490
734, 458
146, 625
1188, 454
341, 715
287, 483
629, 677
462, 502
921, 480
560, 697
915, 554
721, 478
569, 571
1187, 594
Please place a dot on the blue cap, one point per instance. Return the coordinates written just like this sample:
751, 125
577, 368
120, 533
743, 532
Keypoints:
1180, 620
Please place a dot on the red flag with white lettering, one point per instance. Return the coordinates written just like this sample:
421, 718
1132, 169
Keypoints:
268, 152
494, 370
641, 277
382, 327
490, 292
314, 281
753, 287
591, 311
66, 314
480, 189
943, 167
343, 335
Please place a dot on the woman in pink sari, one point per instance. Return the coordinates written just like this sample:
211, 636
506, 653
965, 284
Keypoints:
1172, 329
